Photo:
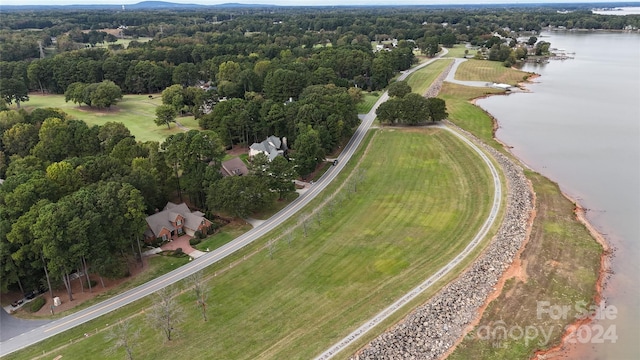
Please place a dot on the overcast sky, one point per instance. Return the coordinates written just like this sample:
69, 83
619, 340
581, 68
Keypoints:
298, 2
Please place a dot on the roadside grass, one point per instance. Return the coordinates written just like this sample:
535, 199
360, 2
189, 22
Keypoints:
275, 206
228, 233
561, 261
457, 51
363, 249
368, 100
465, 114
485, 70
136, 112
421, 80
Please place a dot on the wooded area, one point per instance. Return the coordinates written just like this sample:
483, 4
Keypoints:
75, 197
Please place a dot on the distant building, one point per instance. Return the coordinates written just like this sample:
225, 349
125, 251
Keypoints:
271, 147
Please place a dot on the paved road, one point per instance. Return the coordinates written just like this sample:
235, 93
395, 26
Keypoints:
58, 326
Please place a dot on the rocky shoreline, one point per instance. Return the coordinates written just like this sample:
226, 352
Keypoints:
434, 327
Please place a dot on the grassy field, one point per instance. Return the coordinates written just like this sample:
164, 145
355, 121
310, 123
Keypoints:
363, 249
457, 51
561, 262
484, 70
422, 79
466, 115
135, 111
368, 100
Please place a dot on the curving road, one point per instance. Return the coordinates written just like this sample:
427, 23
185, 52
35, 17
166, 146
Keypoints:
50, 329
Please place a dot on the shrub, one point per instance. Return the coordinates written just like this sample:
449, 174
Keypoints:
197, 235
194, 241
37, 304
178, 252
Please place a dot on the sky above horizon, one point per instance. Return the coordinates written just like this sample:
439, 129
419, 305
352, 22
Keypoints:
302, 2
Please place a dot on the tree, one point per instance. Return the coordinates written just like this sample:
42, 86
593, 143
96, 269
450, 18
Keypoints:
165, 115
239, 195
14, 90
399, 89
75, 93
166, 314
532, 40
437, 109
106, 93
308, 150
199, 287
20, 139
124, 337
185, 74
173, 96
279, 173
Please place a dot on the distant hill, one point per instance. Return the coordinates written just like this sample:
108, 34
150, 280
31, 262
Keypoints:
143, 5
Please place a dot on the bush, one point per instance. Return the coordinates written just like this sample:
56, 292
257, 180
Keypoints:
37, 304
178, 252
194, 241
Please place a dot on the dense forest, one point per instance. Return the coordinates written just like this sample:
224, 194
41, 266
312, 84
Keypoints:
75, 196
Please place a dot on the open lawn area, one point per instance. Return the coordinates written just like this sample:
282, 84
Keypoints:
485, 70
421, 80
457, 51
465, 114
368, 100
135, 111
413, 202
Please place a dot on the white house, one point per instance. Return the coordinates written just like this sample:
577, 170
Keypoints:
271, 147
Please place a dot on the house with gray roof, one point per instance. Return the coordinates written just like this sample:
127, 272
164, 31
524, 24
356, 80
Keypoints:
271, 147
173, 221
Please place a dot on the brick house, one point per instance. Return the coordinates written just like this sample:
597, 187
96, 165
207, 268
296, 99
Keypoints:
173, 221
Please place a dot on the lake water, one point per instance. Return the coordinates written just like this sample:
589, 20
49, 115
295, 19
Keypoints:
580, 126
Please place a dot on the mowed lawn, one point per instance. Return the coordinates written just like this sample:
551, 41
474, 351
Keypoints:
137, 112
485, 70
368, 100
423, 78
422, 196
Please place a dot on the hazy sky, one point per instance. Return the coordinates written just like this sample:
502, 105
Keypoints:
298, 2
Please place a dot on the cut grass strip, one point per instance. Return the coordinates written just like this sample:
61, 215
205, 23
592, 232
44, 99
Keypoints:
421, 80
401, 225
485, 70
368, 100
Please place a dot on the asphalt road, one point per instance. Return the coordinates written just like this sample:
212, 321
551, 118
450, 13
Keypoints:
48, 330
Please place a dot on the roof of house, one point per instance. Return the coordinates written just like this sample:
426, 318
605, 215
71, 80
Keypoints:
271, 147
171, 211
234, 166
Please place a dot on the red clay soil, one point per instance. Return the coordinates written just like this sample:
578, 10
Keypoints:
564, 349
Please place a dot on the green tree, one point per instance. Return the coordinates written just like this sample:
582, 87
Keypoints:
185, 74
106, 93
165, 115
308, 150
14, 90
20, 139
399, 89
173, 96
239, 195
437, 109
532, 40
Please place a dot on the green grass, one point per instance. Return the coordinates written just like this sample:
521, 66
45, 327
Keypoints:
373, 245
135, 111
561, 262
485, 70
457, 51
421, 80
228, 233
368, 100
465, 114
